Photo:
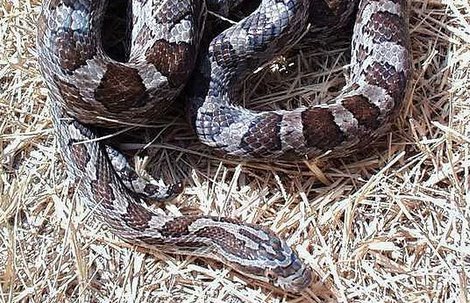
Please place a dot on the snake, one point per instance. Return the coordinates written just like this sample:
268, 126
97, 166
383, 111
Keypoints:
89, 91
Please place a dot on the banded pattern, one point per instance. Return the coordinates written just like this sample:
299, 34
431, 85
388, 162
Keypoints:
86, 84
379, 78
250, 249
92, 85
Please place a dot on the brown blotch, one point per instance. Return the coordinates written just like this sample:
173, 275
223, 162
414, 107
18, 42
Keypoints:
137, 217
177, 227
80, 155
320, 129
366, 113
386, 76
121, 88
72, 49
173, 60
384, 26
102, 192
101, 188
263, 136
225, 239
274, 242
69, 92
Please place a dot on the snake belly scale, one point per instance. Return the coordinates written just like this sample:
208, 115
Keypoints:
86, 85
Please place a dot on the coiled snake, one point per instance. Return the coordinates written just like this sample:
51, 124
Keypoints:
85, 83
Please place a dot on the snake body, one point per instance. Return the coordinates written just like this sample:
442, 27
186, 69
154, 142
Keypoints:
380, 69
86, 85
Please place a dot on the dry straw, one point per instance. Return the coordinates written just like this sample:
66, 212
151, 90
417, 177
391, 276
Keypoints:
389, 224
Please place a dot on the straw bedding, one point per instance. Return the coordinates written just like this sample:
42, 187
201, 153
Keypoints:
388, 224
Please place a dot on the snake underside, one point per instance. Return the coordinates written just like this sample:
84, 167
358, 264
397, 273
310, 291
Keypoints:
89, 89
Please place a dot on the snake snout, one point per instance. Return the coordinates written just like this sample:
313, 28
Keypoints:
294, 277
302, 281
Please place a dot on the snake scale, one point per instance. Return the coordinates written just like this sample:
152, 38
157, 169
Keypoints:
86, 85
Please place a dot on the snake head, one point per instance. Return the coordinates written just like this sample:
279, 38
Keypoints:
293, 277
264, 256
250, 249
